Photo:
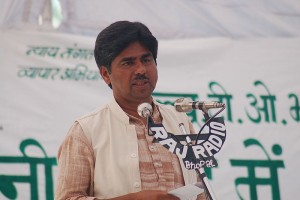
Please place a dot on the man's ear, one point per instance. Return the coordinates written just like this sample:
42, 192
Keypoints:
105, 74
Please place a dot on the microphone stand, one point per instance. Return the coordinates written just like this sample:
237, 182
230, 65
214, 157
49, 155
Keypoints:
201, 172
207, 188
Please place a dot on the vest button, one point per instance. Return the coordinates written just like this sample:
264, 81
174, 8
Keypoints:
133, 155
137, 184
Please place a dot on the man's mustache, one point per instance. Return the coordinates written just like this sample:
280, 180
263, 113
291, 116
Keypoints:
140, 77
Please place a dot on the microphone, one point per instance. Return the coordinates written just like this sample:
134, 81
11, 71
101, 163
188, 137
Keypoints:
145, 110
187, 105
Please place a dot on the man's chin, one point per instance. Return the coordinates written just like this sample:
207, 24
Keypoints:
143, 97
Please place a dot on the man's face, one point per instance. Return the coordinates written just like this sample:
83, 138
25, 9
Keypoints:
133, 74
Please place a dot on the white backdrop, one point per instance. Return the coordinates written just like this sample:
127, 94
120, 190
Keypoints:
50, 79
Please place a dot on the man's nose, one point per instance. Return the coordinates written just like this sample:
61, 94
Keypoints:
140, 68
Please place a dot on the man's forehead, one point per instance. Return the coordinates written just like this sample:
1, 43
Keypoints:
133, 57
134, 47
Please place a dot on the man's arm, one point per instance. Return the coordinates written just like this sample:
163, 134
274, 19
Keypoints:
76, 167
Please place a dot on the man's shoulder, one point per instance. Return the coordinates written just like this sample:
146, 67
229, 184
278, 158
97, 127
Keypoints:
166, 107
169, 110
96, 112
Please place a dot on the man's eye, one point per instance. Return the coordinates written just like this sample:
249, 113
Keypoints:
147, 60
127, 63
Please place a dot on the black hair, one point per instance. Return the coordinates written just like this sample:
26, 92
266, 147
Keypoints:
112, 40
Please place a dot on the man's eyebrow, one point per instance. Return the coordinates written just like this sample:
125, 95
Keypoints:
128, 59
146, 55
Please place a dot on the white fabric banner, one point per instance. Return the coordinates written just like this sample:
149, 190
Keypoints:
48, 80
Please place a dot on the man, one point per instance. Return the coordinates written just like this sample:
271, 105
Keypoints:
108, 153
